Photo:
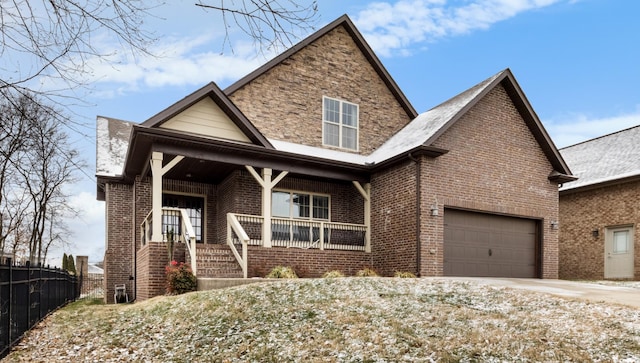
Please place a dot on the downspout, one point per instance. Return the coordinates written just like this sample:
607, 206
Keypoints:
134, 275
418, 163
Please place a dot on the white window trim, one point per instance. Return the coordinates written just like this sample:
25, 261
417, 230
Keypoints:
341, 125
310, 194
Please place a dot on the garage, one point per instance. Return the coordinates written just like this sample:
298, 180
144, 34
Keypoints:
488, 245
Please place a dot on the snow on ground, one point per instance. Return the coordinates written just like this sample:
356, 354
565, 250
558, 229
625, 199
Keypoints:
342, 320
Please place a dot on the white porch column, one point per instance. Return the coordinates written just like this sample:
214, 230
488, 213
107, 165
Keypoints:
157, 172
266, 207
267, 184
366, 194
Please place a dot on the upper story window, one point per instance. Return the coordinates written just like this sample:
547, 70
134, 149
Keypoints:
339, 123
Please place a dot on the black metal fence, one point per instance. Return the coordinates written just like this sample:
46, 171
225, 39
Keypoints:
27, 294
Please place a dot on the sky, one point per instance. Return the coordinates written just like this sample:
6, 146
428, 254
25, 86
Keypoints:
577, 61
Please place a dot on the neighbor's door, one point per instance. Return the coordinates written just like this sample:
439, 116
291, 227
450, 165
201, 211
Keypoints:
618, 253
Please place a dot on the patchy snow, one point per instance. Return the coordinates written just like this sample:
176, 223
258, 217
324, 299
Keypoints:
318, 152
427, 124
112, 142
342, 320
606, 158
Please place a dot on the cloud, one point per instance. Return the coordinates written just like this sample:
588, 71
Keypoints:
392, 29
571, 129
178, 62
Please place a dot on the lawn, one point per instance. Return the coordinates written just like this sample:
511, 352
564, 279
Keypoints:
340, 320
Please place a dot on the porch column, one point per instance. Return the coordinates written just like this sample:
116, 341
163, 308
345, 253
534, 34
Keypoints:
157, 172
267, 185
366, 194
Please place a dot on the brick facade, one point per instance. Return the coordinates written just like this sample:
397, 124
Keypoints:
582, 212
306, 263
332, 66
494, 164
393, 219
118, 256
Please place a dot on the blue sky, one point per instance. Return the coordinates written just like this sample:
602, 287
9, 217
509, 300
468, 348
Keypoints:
578, 62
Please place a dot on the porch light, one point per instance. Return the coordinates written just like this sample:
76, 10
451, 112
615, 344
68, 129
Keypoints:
434, 210
595, 233
554, 225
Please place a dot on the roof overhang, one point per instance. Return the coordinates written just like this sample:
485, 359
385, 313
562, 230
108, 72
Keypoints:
608, 183
145, 141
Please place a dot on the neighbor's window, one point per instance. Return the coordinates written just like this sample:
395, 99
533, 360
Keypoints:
621, 242
299, 205
339, 123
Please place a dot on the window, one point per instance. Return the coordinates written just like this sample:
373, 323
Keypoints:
621, 242
299, 205
194, 207
339, 123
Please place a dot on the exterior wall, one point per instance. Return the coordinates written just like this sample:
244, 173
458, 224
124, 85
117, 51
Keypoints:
332, 66
241, 193
393, 220
118, 256
582, 254
306, 263
495, 165
151, 260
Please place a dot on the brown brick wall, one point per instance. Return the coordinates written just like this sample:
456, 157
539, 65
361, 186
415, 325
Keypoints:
306, 263
283, 105
494, 164
152, 259
118, 257
240, 193
582, 254
393, 219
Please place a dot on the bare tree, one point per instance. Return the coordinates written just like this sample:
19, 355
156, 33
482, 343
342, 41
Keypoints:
48, 166
53, 38
48, 42
271, 24
13, 137
36, 163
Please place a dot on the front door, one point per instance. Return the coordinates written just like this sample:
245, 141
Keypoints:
618, 253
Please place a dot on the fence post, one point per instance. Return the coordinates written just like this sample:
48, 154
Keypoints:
10, 300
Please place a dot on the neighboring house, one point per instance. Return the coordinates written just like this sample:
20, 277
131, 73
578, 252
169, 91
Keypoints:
600, 212
318, 161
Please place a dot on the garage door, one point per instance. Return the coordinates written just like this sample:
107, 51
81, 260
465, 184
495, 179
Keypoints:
478, 244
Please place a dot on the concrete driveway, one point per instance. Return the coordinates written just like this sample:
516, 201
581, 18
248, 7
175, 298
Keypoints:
570, 289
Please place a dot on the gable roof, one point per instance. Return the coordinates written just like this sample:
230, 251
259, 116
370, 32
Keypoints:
212, 91
360, 42
428, 126
611, 158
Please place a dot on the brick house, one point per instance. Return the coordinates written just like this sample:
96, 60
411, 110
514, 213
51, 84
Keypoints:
600, 212
318, 161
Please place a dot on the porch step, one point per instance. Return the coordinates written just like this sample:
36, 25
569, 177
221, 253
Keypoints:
217, 261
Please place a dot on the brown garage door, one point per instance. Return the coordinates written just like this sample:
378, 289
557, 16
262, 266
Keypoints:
478, 244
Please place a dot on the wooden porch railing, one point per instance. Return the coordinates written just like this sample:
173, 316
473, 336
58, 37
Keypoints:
299, 233
233, 226
185, 233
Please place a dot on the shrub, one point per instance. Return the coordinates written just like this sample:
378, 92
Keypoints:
367, 272
332, 274
282, 272
180, 278
405, 275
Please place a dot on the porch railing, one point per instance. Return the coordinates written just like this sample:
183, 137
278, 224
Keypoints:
177, 219
233, 226
307, 234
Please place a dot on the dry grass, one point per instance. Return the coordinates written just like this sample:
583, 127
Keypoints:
341, 320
